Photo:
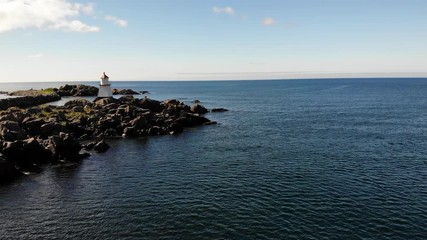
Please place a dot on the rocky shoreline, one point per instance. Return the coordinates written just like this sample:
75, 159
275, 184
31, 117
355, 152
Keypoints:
34, 136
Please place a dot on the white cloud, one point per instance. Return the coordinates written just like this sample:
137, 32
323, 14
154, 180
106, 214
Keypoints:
268, 21
226, 10
117, 21
44, 14
37, 55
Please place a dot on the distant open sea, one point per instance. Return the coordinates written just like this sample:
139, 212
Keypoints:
294, 159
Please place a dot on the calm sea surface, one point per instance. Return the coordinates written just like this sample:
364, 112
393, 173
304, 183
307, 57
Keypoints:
303, 159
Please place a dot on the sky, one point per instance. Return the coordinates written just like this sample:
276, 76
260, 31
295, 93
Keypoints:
77, 40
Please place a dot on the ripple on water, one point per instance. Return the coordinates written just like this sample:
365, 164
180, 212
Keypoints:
312, 160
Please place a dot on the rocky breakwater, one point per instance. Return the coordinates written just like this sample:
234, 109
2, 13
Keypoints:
27, 101
81, 90
41, 135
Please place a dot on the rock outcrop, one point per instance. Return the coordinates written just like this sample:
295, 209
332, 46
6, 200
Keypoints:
28, 101
41, 135
124, 92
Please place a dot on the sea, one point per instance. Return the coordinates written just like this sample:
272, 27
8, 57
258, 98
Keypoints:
291, 159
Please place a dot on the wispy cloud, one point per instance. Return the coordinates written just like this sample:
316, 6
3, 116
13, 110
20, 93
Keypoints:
117, 21
268, 21
37, 55
227, 10
44, 14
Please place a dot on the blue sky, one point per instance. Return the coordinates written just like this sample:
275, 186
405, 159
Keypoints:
64, 40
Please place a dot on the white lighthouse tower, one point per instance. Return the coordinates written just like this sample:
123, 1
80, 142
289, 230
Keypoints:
104, 87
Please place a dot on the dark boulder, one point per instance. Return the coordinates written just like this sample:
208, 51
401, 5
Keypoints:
77, 109
50, 128
219, 110
130, 132
191, 120
65, 147
36, 152
101, 102
124, 92
154, 130
108, 122
15, 153
198, 108
85, 90
128, 99
77, 102
151, 104
34, 110
77, 90
89, 146
110, 132
33, 126
175, 128
171, 102
11, 131
139, 122
101, 146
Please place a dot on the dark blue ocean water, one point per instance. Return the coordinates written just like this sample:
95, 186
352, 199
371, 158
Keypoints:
296, 159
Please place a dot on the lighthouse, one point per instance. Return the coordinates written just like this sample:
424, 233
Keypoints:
104, 87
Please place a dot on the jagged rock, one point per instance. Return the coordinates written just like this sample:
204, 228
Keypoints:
77, 90
128, 99
151, 104
78, 102
154, 130
124, 92
85, 90
77, 109
110, 132
89, 146
108, 122
10, 125
219, 110
101, 102
171, 102
13, 150
197, 108
65, 147
36, 152
50, 128
139, 122
15, 153
20, 115
34, 110
191, 120
175, 128
33, 126
101, 146
11, 131
130, 132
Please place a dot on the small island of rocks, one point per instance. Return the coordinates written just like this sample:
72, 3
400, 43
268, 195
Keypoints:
33, 133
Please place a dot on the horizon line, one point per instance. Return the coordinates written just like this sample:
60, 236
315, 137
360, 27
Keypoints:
226, 80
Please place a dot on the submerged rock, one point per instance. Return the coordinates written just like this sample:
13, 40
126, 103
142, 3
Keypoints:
219, 110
